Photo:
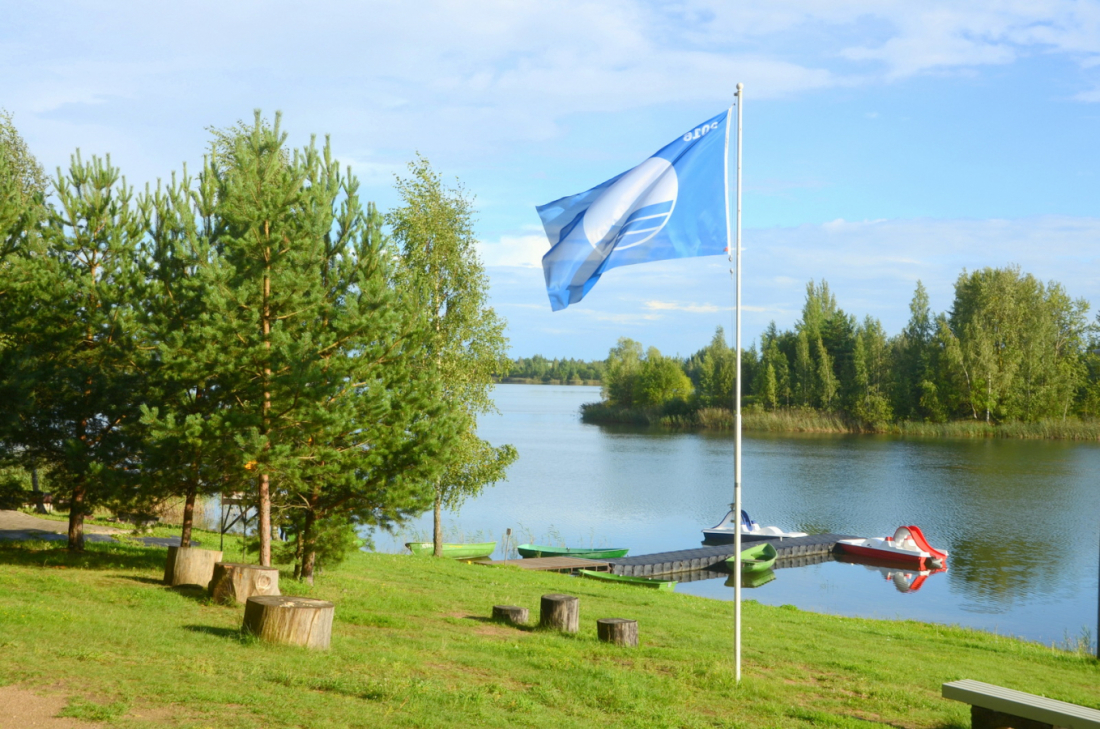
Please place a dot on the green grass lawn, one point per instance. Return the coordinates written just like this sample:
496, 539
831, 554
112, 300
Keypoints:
412, 647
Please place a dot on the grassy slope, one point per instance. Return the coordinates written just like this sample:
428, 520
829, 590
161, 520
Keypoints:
412, 648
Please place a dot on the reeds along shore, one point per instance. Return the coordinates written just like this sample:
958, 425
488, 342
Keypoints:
809, 421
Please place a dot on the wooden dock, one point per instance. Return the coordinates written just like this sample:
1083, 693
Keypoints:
553, 564
793, 551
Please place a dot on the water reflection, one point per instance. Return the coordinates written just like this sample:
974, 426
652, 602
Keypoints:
903, 579
752, 580
1018, 517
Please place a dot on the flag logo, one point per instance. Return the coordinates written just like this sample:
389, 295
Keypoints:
634, 208
672, 205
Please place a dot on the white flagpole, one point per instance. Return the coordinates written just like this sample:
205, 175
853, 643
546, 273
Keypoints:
737, 414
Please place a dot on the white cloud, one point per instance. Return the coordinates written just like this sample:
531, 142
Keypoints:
522, 251
872, 267
691, 308
936, 35
1092, 96
677, 306
467, 81
482, 73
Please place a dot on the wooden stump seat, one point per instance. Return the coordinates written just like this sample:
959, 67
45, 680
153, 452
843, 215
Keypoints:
510, 614
190, 566
299, 621
562, 612
619, 631
234, 583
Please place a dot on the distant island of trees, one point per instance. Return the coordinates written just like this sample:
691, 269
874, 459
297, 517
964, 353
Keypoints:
539, 370
1012, 357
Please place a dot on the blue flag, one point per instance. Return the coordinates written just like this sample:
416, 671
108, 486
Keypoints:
672, 205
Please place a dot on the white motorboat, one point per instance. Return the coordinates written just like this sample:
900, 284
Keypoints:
750, 530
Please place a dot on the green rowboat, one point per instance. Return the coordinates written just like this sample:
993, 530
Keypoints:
454, 551
757, 558
536, 550
664, 585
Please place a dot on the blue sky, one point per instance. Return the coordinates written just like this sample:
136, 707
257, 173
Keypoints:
885, 142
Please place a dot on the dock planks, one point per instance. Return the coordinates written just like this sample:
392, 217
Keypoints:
792, 551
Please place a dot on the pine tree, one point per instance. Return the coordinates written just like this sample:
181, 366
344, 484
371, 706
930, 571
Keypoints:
375, 426
912, 357
22, 214
70, 369
779, 363
260, 286
188, 450
324, 376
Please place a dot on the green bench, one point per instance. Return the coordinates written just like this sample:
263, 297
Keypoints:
994, 707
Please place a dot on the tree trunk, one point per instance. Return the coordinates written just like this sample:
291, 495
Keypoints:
309, 546
39, 497
264, 503
618, 631
562, 612
988, 397
437, 526
234, 583
264, 518
76, 517
188, 517
510, 614
298, 546
290, 620
190, 566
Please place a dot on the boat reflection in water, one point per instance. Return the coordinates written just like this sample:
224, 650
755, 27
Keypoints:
753, 579
905, 579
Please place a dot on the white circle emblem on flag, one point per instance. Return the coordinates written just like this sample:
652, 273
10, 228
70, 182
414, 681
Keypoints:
634, 208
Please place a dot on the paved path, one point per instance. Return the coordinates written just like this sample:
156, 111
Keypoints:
16, 525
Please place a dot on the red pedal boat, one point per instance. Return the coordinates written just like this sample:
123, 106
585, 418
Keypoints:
907, 546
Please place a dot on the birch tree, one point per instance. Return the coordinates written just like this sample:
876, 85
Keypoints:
444, 279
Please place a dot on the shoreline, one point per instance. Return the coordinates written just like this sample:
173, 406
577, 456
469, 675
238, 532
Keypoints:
537, 381
801, 421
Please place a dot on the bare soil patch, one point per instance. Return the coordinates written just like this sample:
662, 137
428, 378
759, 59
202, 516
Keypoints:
22, 708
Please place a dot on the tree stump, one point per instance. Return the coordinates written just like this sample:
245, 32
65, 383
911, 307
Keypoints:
510, 614
290, 620
190, 566
234, 583
619, 631
560, 611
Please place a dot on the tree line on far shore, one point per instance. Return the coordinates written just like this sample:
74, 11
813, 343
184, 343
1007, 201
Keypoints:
255, 328
1012, 349
539, 369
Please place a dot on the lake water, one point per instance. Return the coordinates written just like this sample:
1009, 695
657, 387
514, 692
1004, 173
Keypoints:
1021, 519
